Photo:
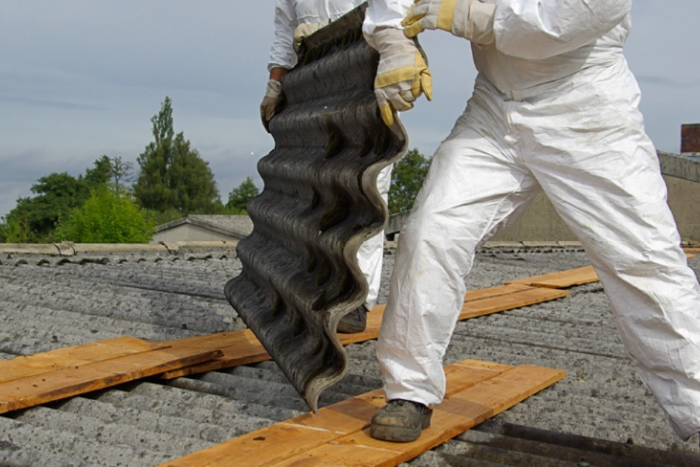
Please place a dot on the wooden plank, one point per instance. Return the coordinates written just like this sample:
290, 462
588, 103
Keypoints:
454, 416
338, 435
236, 347
529, 296
560, 280
44, 362
79, 379
497, 291
242, 347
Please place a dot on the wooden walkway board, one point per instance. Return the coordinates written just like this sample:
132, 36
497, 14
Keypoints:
242, 347
22, 367
560, 280
527, 296
94, 369
339, 434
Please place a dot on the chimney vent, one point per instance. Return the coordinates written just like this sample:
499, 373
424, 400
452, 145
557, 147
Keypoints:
690, 139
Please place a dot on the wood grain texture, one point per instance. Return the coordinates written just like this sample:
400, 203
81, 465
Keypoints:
560, 280
339, 434
44, 362
78, 379
242, 347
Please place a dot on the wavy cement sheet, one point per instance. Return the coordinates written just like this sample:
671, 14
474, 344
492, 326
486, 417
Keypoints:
320, 202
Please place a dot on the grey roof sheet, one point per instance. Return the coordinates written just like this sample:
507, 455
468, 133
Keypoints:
46, 304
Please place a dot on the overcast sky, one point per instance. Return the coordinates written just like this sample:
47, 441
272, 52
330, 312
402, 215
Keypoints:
82, 78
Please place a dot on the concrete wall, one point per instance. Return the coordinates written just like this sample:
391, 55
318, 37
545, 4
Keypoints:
684, 200
189, 232
541, 223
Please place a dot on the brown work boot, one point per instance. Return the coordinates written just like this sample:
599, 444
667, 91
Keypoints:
400, 421
353, 322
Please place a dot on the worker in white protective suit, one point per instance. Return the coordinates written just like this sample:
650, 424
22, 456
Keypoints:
554, 109
294, 20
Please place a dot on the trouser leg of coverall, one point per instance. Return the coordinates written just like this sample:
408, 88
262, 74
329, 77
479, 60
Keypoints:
452, 213
611, 194
371, 253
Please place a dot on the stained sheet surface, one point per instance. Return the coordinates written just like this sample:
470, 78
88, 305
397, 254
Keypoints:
319, 203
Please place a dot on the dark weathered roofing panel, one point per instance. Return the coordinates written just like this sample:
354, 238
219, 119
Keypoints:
320, 202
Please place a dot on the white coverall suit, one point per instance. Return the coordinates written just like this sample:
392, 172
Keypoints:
554, 108
288, 15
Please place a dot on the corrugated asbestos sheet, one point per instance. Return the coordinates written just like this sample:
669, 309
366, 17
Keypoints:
320, 202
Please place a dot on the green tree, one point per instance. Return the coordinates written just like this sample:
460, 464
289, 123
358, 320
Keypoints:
406, 181
54, 197
172, 175
108, 216
35, 218
14, 228
239, 196
109, 169
100, 173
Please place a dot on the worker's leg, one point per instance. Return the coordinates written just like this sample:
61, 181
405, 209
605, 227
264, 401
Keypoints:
371, 252
602, 174
473, 184
369, 258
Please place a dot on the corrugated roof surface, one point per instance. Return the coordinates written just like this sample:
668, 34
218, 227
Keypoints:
46, 305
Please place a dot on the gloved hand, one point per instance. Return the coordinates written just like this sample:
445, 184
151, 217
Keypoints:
402, 75
305, 30
273, 96
464, 18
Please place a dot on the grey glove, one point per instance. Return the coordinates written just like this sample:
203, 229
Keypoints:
273, 96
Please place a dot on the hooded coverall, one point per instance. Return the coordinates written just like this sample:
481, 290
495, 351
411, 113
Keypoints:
288, 15
554, 109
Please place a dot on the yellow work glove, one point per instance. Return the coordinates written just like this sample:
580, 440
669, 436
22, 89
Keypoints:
402, 74
273, 96
463, 18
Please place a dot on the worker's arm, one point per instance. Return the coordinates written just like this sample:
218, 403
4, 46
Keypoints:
282, 58
282, 54
538, 29
382, 14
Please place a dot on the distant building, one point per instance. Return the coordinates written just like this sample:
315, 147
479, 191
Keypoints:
204, 229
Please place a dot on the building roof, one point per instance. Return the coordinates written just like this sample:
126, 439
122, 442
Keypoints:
233, 226
48, 301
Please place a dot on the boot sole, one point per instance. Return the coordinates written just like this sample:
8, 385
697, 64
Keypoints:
397, 434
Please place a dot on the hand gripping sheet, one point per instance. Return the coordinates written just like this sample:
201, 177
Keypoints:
320, 202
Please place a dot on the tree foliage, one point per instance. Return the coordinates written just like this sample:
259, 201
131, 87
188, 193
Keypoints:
406, 181
172, 175
109, 215
34, 219
15, 228
238, 197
